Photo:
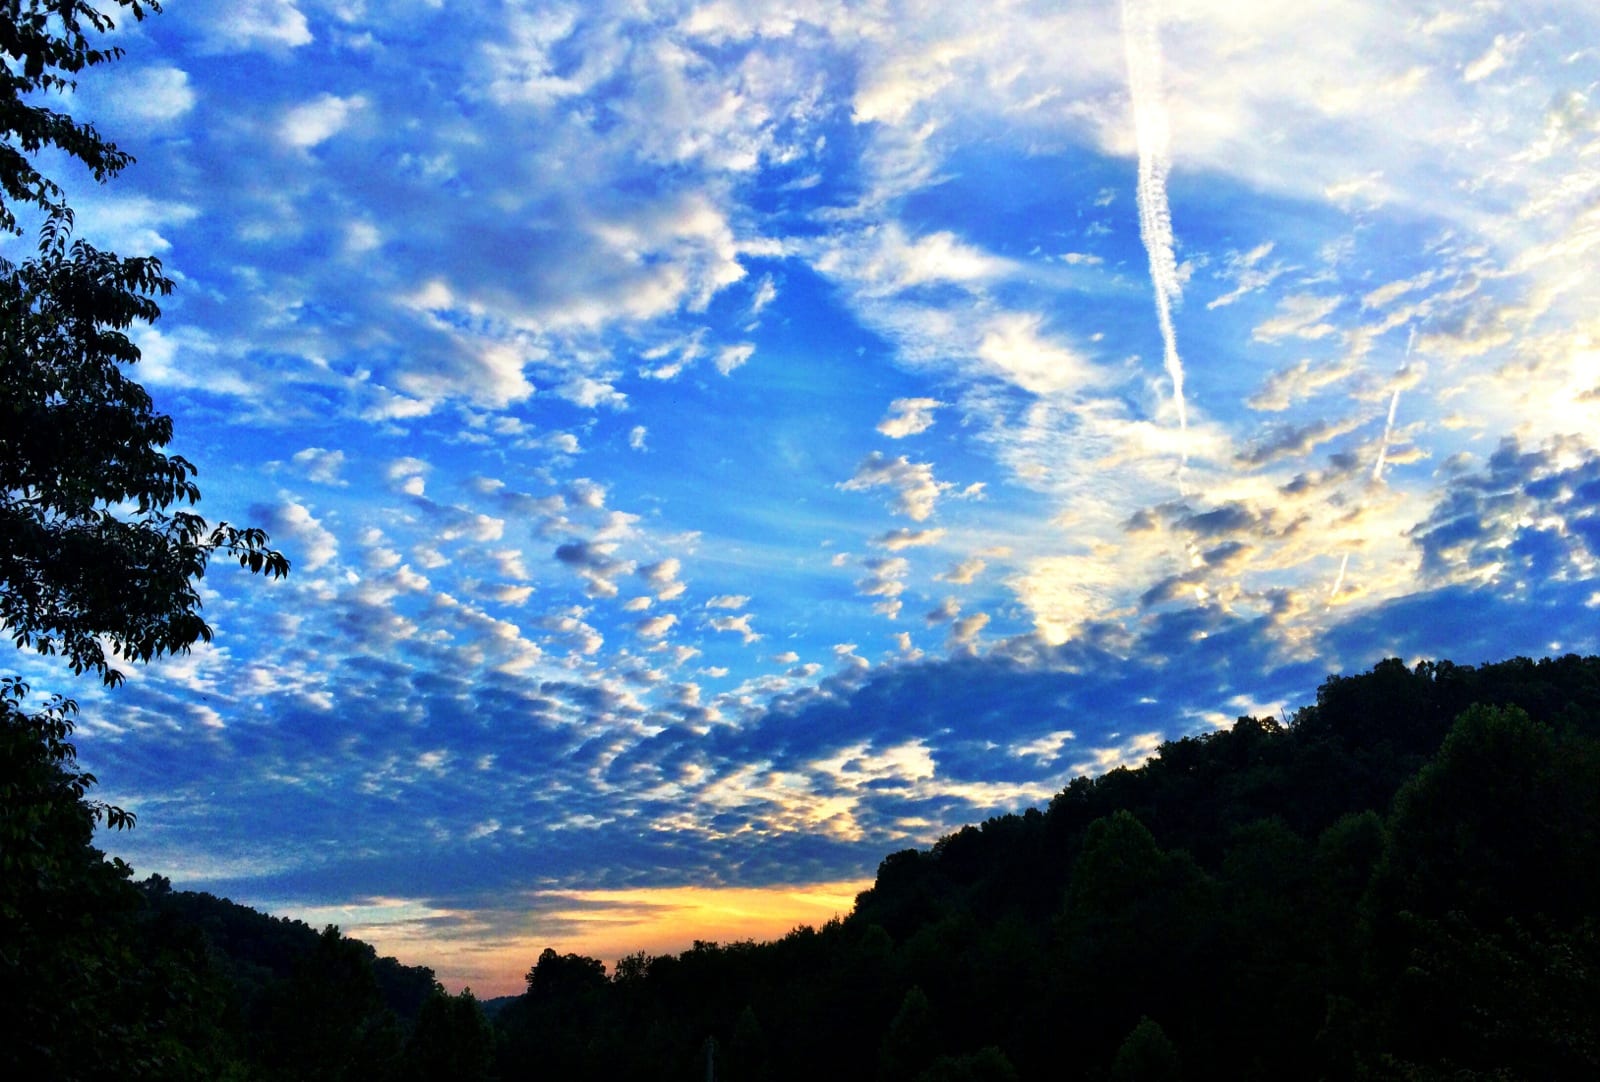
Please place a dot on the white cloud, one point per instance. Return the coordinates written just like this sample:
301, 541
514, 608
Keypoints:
408, 475
1299, 381
248, 24
1300, 316
309, 545
908, 416
964, 573
1245, 270
904, 538
731, 357
321, 465
655, 627
884, 260
1013, 345
913, 483
737, 624
316, 121
1493, 59
662, 578
152, 95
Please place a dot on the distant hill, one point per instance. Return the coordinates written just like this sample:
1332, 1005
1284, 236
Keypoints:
257, 952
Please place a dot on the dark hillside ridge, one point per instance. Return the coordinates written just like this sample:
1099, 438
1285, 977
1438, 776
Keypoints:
257, 951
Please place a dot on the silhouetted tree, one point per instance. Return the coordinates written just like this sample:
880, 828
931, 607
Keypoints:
451, 1041
1146, 1055
89, 993
988, 1064
912, 1040
328, 1023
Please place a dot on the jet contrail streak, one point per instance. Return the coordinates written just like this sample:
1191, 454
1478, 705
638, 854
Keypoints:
1383, 454
1388, 427
1394, 404
1143, 47
1338, 583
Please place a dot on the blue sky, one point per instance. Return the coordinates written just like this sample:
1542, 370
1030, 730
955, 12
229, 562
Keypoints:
720, 444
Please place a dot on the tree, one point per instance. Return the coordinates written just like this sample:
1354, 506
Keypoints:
89, 993
96, 552
911, 1041
328, 1022
1147, 1055
452, 1040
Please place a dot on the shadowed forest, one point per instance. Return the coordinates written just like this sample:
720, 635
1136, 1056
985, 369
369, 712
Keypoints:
1397, 883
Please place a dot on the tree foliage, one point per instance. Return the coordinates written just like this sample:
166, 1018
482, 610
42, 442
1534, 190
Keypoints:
48, 44
97, 550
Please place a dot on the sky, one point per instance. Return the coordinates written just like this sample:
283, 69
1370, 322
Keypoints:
720, 444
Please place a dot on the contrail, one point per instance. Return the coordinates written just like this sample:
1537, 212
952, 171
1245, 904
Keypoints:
1338, 583
1143, 48
1383, 454
1394, 404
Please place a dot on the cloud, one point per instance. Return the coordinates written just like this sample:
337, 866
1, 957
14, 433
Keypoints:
655, 627
1290, 441
915, 490
570, 629
249, 24
964, 573
731, 357
1285, 387
1493, 59
884, 259
908, 416
964, 631
309, 545
902, 538
737, 624
595, 563
318, 120
1300, 316
151, 95
885, 575
1249, 276
1013, 345
321, 465
408, 475
662, 578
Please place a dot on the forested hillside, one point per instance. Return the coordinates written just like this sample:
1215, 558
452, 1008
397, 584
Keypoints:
1398, 883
